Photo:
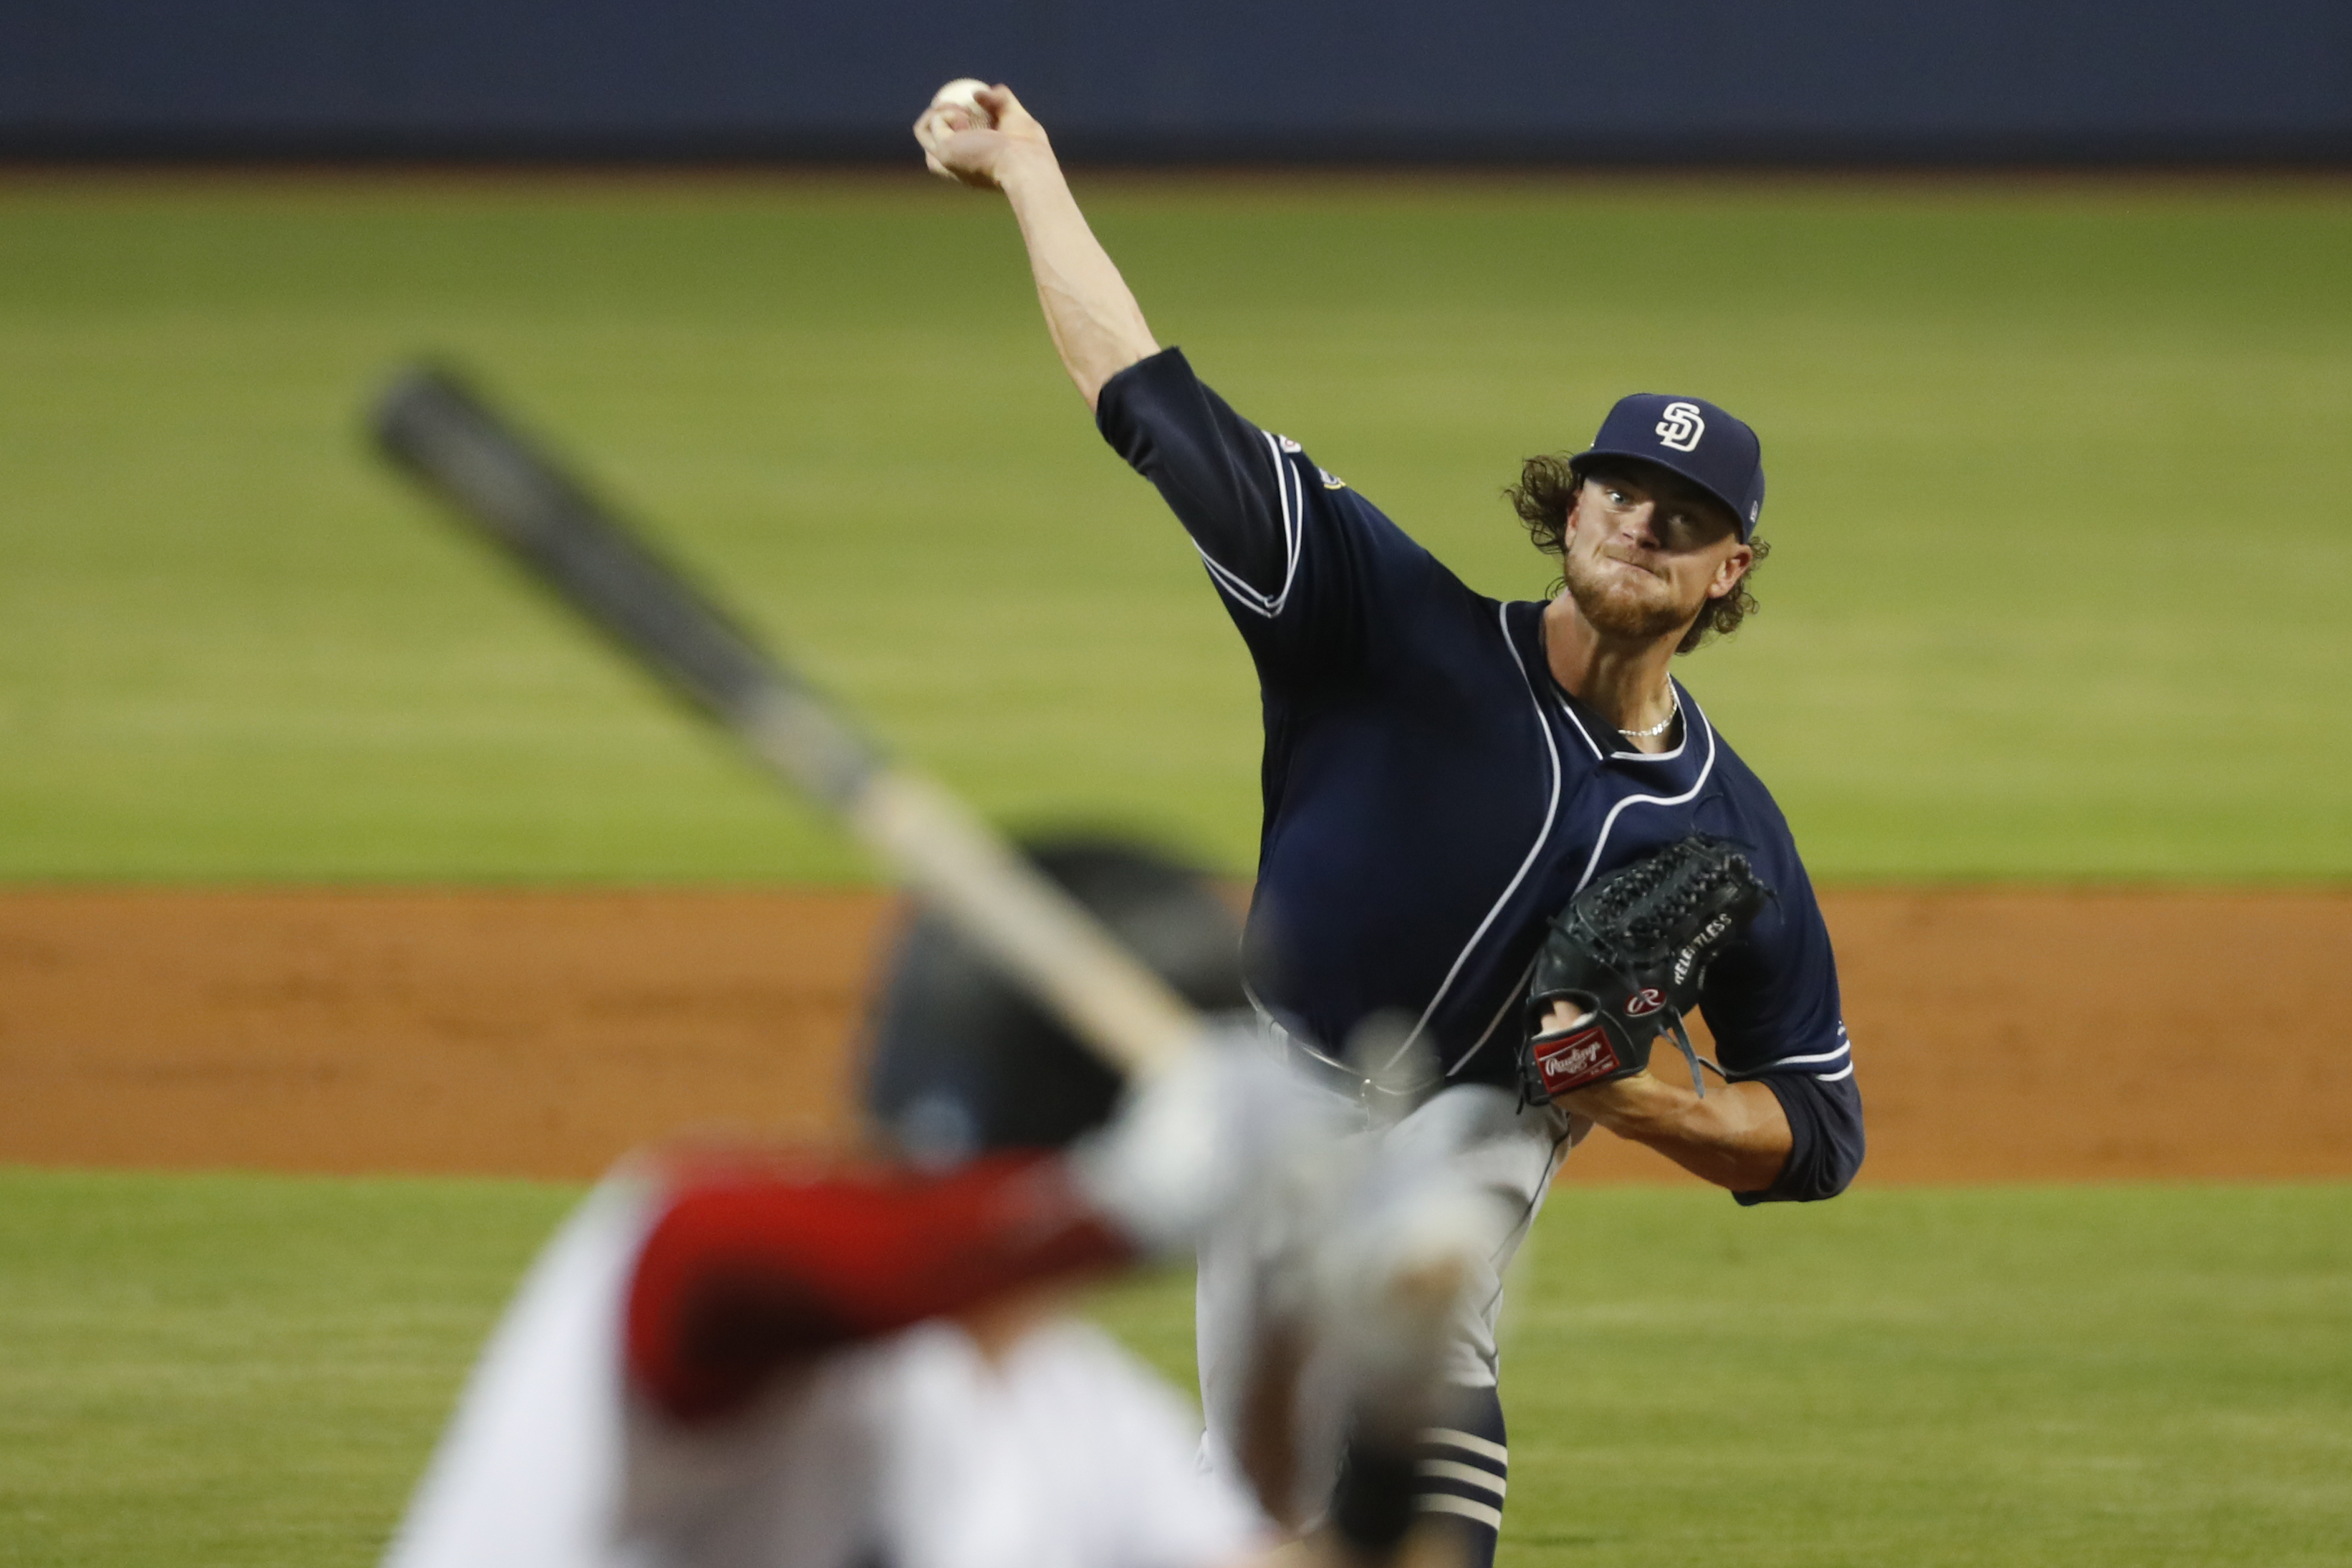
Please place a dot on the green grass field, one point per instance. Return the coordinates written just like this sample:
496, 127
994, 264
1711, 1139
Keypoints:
249, 1370
2059, 481
2059, 491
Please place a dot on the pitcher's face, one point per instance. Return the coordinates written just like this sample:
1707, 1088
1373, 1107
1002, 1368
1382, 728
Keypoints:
1646, 551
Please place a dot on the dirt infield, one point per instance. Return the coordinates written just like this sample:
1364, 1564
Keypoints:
2021, 1035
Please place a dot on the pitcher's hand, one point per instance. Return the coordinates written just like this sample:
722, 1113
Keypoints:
982, 156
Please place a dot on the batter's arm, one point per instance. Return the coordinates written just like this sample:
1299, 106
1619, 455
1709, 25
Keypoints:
1737, 1137
1096, 326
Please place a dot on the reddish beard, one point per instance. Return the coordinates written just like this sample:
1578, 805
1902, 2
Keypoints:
1613, 605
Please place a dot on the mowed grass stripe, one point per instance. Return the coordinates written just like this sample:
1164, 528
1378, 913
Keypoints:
233, 1369
2057, 507
250, 1370
2125, 1375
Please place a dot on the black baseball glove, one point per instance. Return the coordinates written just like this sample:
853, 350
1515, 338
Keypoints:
1628, 953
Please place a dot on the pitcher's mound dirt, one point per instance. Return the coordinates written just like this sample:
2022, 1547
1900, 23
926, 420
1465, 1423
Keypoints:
2002, 1034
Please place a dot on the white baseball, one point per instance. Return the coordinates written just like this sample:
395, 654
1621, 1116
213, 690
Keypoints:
961, 95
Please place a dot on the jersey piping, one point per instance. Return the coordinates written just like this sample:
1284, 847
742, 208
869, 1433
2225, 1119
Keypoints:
1609, 824
1293, 493
1543, 836
1510, 999
1844, 1050
1806, 1060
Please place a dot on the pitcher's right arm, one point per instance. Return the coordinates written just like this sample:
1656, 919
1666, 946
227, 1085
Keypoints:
1096, 326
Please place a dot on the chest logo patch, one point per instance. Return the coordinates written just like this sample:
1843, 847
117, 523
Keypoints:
1682, 427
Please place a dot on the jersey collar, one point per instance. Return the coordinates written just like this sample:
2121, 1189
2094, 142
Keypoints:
1607, 745
1593, 734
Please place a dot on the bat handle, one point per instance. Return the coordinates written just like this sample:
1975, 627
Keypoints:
1030, 926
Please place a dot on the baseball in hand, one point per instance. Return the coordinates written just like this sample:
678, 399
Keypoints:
938, 123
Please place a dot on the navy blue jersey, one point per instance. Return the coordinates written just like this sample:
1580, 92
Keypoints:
1432, 797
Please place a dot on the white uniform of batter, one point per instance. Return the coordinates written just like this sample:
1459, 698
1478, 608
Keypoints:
911, 1451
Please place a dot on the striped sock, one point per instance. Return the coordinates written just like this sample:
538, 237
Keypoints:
1463, 1470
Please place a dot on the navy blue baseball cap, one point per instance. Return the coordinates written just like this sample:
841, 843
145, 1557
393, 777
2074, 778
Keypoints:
1694, 438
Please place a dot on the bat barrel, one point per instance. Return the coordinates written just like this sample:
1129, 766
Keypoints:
431, 425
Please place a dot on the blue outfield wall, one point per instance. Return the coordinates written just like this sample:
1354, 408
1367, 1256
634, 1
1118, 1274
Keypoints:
2047, 81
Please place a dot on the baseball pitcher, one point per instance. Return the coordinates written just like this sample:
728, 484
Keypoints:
1498, 837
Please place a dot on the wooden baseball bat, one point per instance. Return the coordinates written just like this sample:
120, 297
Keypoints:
448, 438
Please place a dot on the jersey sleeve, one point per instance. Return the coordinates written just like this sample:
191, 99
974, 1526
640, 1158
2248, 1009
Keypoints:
747, 1271
1772, 1005
1306, 568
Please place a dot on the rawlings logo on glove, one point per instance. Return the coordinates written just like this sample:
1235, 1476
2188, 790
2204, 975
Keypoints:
1628, 954
1573, 1060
